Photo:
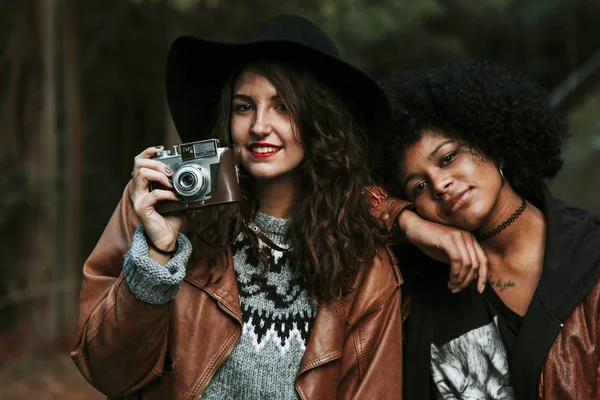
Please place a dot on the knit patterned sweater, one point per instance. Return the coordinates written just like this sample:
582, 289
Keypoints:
277, 313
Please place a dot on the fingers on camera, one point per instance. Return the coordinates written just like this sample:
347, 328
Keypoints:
153, 175
152, 164
153, 197
150, 152
160, 194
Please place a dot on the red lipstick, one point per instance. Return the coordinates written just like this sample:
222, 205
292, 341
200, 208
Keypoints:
263, 150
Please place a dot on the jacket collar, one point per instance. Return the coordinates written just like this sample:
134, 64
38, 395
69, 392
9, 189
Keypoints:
326, 338
222, 287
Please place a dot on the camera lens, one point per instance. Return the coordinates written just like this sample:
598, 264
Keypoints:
187, 180
191, 181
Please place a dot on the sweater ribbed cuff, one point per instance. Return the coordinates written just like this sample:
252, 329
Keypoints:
149, 281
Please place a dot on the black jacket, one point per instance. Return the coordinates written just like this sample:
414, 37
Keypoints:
571, 268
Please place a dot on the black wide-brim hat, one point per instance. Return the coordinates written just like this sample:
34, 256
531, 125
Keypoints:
198, 68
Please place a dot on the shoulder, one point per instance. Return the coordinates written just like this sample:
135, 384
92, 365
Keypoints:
572, 234
375, 284
565, 220
592, 300
574, 230
571, 259
576, 212
586, 311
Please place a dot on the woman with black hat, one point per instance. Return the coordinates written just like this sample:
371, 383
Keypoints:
307, 303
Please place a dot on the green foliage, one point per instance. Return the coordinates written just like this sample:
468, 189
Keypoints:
534, 37
357, 25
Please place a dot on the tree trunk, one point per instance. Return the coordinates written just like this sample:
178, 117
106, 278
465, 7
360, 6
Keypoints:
74, 167
40, 157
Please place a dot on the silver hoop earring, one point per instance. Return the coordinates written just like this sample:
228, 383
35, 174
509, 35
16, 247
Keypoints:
502, 174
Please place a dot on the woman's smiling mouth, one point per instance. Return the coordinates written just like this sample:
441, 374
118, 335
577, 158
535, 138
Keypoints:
262, 150
456, 202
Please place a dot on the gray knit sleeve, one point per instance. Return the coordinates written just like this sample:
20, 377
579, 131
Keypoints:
149, 281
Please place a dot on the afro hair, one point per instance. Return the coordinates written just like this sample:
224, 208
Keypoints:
500, 114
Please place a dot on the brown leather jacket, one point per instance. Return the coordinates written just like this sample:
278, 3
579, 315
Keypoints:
127, 347
578, 340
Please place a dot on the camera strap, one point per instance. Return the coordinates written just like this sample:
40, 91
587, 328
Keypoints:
244, 210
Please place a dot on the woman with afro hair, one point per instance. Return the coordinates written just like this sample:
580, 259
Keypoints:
472, 146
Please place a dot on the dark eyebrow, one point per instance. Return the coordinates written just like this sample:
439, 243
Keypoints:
243, 97
247, 98
438, 147
407, 179
430, 157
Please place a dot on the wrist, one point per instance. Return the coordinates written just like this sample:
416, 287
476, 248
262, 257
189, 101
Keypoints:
167, 249
170, 248
403, 220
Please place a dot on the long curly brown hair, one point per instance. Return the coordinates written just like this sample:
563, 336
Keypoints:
332, 233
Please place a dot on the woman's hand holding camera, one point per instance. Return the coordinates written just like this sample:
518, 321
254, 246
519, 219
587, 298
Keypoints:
161, 230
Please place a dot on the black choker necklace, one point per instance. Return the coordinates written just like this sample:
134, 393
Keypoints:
505, 224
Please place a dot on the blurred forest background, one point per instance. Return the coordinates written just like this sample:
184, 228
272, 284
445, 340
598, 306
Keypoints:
81, 93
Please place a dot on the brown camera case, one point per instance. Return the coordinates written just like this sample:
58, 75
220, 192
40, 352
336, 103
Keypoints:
227, 189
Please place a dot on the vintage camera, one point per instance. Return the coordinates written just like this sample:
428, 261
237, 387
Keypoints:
203, 174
